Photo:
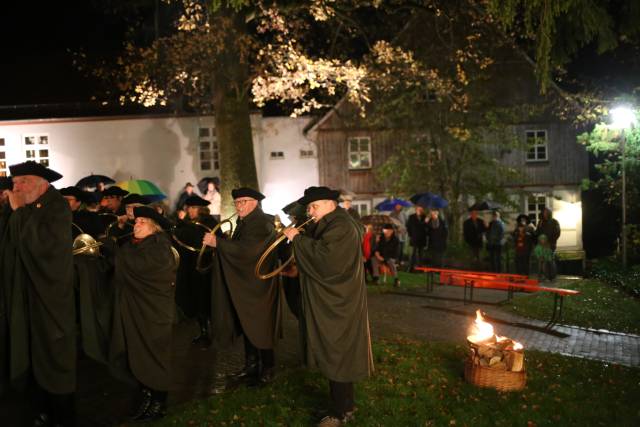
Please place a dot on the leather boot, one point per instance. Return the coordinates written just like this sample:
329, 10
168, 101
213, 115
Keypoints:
156, 408
251, 368
203, 338
141, 409
267, 366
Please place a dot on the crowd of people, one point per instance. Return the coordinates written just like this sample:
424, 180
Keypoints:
427, 233
109, 268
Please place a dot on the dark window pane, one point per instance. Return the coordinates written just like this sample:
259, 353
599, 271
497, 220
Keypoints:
29, 140
205, 165
204, 132
45, 162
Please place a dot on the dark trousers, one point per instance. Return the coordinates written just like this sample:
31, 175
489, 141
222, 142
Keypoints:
263, 359
341, 398
522, 264
437, 258
495, 258
59, 408
417, 255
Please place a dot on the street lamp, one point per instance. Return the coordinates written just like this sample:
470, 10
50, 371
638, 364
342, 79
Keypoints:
623, 118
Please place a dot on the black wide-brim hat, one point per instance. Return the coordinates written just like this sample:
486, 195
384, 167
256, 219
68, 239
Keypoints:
196, 200
147, 212
34, 168
246, 192
132, 198
73, 192
114, 190
313, 194
295, 209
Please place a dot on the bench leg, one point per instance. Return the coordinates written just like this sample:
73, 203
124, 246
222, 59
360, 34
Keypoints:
556, 315
468, 284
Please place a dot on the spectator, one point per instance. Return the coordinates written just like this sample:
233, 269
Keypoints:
437, 233
212, 195
385, 253
550, 227
368, 246
417, 230
473, 230
347, 201
546, 258
186, 193
523, 239
399, 214
495, 241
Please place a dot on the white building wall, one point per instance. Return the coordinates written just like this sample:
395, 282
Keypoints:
163, 150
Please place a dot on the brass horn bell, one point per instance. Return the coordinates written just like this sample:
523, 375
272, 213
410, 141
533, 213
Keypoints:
84, 244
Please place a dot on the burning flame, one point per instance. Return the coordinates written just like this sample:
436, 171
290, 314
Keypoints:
482, 331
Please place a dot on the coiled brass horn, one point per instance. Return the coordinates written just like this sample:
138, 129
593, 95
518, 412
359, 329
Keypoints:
199, 262
185, 245
85, 244
279, 239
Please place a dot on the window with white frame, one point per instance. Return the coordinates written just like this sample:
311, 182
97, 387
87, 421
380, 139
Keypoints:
208, 150
276, 155
534, 205
537, 148
307, 154
3, 157
36, 148
359, 152
363, 207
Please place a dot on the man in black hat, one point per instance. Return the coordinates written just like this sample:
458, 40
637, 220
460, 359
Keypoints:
112, 199
123, 229
242, 304
36, 272
84, 220
193, 286
334, 299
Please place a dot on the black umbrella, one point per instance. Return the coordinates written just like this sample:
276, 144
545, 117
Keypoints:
485, 205
92, 181
203, 184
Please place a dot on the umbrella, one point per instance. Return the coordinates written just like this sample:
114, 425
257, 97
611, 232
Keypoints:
390, 204
485, 205
429, 200
92, 181
144, 188
379, 220
204, 183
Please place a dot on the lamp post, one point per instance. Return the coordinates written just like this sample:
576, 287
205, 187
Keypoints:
623, 118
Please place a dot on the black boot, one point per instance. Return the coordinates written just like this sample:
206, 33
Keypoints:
251, 362
203, 338
143, 406
156, 408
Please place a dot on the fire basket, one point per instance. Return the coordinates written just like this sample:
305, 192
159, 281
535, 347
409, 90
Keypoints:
494, 361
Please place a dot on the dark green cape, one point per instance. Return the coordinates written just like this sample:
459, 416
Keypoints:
334, 298
241, 302
144, 281
37, 286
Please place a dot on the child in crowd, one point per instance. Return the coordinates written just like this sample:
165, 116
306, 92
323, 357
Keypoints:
544, 255
368, 246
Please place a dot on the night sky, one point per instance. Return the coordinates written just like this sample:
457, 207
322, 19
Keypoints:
36, 67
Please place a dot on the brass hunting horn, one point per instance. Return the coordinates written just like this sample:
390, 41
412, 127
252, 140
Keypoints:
202, 268
279, 239
85, 244
185, 245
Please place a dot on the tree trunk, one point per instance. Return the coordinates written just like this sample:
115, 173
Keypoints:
231, 109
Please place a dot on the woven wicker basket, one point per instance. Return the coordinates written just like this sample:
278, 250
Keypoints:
494, 378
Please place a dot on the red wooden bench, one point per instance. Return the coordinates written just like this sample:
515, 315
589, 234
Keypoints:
508, 282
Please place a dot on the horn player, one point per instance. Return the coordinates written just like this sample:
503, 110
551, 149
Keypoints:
242, 304
37, 263
334, 299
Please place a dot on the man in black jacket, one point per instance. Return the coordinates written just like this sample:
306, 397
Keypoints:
386, 253
473, 230
417, 230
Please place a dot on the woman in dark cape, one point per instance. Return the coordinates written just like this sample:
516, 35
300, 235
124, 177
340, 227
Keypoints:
144, 280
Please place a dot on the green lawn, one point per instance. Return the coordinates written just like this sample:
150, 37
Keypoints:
421, 384
599, 306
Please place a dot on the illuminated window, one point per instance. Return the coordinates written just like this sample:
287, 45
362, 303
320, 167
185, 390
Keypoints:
537, 149
535, 203
276, 155
36, 148
208, 150
307, 154
3, 158
359, 152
